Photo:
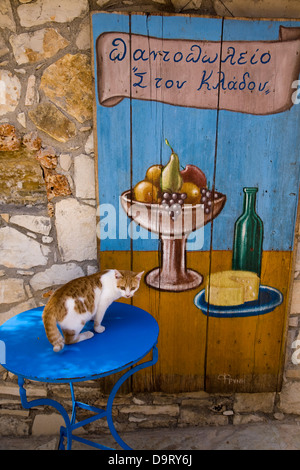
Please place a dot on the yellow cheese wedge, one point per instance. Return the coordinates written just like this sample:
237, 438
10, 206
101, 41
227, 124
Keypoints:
232, 288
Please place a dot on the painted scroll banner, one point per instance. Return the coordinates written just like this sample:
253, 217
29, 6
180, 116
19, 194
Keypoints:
253, 77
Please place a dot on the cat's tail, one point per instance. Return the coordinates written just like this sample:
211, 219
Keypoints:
52, 331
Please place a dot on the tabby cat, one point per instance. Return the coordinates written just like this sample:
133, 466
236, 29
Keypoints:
84, 299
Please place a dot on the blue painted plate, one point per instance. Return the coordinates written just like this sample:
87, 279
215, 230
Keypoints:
268, 299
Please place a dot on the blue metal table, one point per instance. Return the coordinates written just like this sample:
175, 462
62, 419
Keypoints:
131, 333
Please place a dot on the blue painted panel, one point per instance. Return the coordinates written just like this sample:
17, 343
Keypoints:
252, 150
261, 151
264, 154
181, 27
253, 30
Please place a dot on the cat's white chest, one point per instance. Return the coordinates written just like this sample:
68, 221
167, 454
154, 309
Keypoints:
109, 291
97, 293
104, 297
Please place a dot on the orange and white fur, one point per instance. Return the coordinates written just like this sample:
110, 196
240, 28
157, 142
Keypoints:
84, 299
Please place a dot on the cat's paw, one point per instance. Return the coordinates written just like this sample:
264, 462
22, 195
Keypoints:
88, 334
99, 328
58, 346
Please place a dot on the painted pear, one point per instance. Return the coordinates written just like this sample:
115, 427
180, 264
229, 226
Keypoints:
171, 179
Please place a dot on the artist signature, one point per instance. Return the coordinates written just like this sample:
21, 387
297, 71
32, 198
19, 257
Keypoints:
227, 379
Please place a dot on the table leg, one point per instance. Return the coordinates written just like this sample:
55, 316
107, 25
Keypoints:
47, 402
114, 390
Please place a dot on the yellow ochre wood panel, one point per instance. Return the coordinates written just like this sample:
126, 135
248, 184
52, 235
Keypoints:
192, 346
253, 345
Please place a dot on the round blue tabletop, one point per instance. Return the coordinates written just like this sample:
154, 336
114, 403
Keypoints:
129, 335
268, 299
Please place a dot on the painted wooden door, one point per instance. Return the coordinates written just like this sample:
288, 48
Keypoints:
191, 115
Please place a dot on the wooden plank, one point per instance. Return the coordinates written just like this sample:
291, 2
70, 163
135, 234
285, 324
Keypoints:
181, 339
182, 329
115, 260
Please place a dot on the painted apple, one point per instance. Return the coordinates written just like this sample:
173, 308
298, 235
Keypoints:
193, 174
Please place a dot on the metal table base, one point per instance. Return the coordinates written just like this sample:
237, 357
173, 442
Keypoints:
66, 432
130, 335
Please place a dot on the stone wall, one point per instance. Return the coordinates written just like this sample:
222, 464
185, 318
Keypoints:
48, 204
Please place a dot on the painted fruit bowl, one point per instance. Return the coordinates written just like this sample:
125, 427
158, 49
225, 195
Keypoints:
173, 229
157, 220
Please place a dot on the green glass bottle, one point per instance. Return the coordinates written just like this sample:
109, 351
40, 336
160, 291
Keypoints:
248, 236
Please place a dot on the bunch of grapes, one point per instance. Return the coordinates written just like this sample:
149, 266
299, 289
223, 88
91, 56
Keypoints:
172, 203
207, 197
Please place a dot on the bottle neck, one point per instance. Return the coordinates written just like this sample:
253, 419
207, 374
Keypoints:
250, 199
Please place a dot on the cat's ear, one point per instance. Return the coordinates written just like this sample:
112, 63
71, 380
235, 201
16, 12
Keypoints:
139, 275
118, 275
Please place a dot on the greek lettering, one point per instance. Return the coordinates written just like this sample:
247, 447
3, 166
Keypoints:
121, 55
230, 56
241, 60
268, 58
209, 77
205, 59
221, 81
178, 57
119, 52
262, 89
204, 80
232, 85
155, 54
139, 54
180, 86
190, 57
158, 82
140, 75
252, 58
242, 85
166, 53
